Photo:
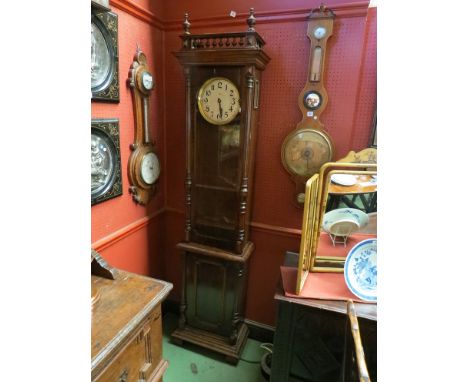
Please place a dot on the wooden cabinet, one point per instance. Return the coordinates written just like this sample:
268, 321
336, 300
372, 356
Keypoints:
309, 340
126, 330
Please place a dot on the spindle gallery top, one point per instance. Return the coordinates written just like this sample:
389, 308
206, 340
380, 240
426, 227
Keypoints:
249, 39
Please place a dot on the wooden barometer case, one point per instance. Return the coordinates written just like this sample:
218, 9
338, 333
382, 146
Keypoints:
143, 165
222, 83
309, 146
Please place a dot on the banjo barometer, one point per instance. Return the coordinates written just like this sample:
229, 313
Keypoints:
308, 147
143, 166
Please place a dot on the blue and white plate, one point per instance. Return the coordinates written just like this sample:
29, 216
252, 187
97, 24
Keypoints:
360, 270
344, 221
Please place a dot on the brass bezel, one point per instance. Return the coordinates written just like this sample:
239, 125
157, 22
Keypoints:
134, 166
290, 136
202, 111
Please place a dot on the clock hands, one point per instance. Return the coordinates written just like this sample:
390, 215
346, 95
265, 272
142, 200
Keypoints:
220, 109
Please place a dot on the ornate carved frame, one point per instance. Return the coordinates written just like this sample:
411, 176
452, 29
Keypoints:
110, 129
107, 23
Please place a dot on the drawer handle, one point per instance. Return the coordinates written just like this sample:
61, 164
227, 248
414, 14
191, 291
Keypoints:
123, 377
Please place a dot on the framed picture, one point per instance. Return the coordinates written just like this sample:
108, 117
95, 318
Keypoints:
104, 57
106, 173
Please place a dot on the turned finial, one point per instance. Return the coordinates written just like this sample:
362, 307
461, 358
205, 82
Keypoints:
186, 24
251, 21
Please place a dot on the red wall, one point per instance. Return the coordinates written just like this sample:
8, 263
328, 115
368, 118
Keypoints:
121, 230
143, 239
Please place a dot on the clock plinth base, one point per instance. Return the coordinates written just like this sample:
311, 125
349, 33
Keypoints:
213, 341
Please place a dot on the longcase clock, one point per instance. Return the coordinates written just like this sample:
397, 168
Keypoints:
222, 87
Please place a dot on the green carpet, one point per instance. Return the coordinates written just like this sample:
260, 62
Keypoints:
194, 363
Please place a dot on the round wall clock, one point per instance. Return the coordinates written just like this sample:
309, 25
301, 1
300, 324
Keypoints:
147, 80
218, 101
320, 32
150, 168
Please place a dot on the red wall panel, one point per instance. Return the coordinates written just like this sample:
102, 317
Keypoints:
132, 253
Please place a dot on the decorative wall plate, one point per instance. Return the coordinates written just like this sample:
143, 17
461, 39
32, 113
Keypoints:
104, 57
106, 178
360, 270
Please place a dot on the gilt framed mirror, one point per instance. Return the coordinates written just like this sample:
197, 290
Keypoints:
336, 216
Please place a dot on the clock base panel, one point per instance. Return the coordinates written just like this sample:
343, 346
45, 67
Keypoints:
208, 340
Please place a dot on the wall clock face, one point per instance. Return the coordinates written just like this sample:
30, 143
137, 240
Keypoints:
147, 80
218, 101
150, 168
305, 151
320, 32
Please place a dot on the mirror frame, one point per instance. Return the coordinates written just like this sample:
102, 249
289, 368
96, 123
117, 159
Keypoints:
315, 202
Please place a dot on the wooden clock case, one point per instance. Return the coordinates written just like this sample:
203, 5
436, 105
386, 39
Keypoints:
219, 184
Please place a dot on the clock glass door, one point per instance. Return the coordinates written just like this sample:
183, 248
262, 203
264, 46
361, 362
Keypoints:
216, 171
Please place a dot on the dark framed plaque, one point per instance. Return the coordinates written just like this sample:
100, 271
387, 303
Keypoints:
106, 173
104, 57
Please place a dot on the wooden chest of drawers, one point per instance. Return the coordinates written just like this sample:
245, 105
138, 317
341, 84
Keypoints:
126, 330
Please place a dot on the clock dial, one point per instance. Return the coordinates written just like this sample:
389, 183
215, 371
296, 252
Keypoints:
218, 101
305, 151
147, 80
320, 32
150, 168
